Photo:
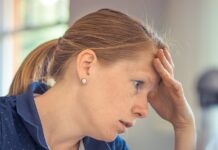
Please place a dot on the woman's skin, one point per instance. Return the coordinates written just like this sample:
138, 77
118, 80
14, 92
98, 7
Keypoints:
112, 95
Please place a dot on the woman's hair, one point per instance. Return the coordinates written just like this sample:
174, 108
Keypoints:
111, 34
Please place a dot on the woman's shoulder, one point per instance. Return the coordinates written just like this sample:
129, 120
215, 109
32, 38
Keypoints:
7, 102
7, 107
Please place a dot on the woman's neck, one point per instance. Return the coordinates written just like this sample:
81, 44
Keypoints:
61, 118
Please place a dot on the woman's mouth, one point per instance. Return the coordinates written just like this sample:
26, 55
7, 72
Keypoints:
126, 124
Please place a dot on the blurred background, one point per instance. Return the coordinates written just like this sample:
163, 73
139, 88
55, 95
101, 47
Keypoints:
189, 26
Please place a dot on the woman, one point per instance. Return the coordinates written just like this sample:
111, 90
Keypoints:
107, 68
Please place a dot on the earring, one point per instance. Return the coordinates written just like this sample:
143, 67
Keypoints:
83, 80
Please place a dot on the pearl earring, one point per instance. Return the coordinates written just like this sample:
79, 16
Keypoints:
83, 80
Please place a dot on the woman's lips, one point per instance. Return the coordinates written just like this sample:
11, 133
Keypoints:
126, 124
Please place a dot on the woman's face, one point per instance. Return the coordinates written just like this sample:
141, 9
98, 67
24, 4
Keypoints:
116, 96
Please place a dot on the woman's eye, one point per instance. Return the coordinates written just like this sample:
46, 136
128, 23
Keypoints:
138, 84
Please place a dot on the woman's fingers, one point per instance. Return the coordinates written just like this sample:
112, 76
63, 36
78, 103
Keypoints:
163, 65
167, 78
168, 57
164, 74
165, 61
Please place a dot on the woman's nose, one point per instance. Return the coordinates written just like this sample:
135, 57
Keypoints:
140, 111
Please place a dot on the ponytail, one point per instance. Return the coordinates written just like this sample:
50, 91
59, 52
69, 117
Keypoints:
34, 68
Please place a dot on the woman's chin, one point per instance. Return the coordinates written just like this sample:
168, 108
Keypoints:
108, 137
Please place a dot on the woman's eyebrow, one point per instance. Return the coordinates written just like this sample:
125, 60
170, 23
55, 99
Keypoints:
148, 79
145, 77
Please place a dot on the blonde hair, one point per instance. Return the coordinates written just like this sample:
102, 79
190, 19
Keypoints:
111, 34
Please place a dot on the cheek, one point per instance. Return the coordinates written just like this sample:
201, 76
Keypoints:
108, 102
111, 98
117, 95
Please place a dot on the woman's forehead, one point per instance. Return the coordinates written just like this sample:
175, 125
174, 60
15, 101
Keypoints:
140, 65
143, 66
145, 58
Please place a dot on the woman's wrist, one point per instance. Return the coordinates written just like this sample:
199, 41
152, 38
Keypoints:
185, 137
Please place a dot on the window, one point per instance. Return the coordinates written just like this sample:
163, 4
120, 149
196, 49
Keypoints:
25, 24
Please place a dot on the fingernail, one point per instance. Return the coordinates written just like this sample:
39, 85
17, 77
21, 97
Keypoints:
162, 51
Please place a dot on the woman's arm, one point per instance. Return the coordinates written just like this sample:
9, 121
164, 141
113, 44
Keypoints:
185, 138
170, 103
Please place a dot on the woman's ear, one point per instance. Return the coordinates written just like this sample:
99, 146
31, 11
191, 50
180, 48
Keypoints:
85, 61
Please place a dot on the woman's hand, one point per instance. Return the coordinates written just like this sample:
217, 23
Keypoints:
169, 100
170, 103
